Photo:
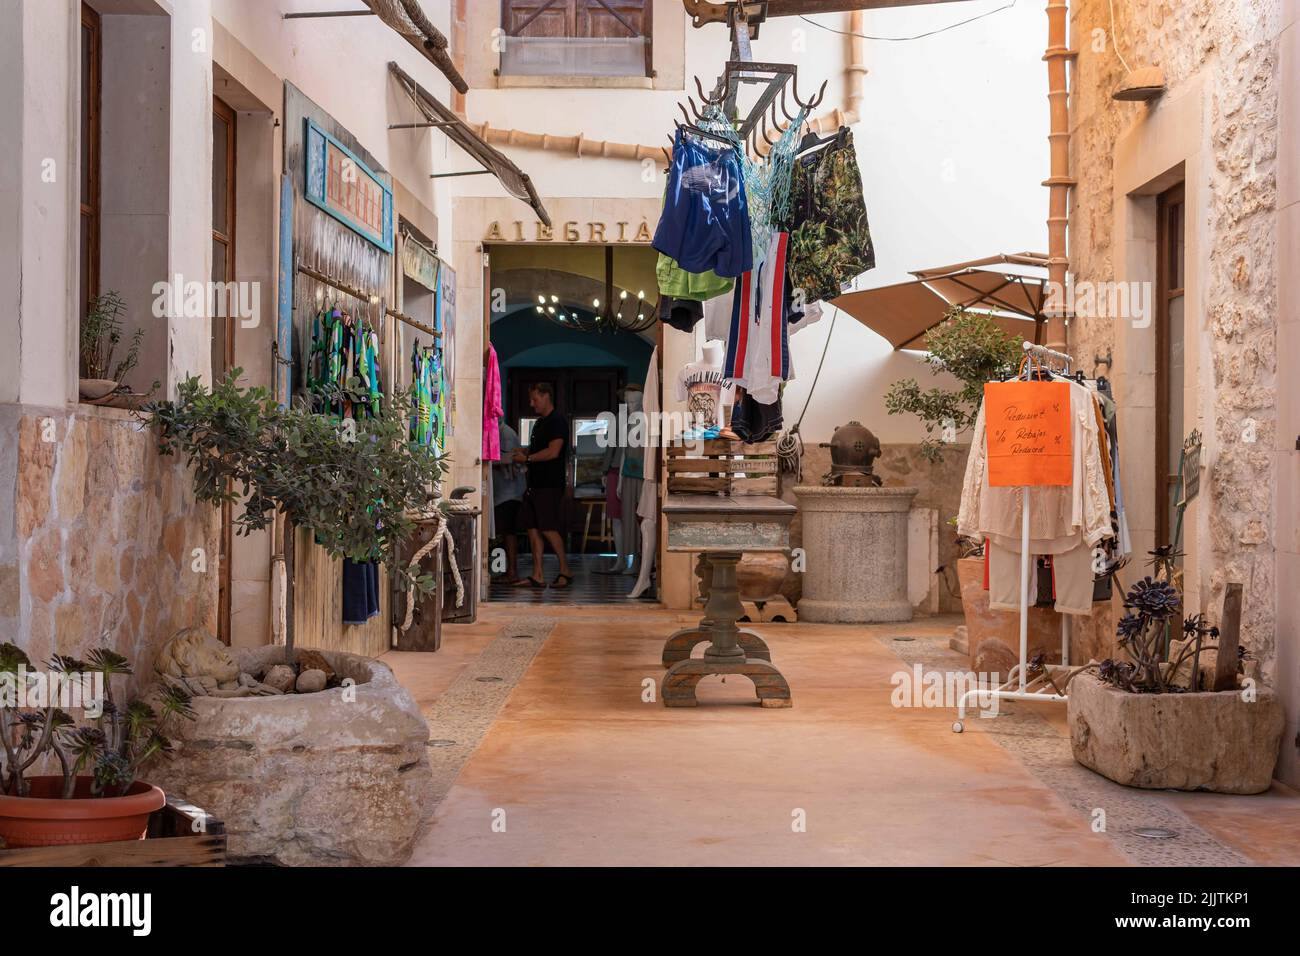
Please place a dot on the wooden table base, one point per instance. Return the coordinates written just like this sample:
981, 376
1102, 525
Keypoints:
731, 650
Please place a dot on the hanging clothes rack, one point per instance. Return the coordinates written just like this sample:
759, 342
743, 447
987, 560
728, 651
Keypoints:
1019, 685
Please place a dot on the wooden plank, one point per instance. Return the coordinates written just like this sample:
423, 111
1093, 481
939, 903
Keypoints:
205, 849
755, 486
750, 466
1225, 661
717, 446
684, 485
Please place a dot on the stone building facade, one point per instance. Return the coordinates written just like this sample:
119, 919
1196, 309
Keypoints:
1225, 130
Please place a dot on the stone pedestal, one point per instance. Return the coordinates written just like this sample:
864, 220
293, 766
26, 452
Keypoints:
855, 540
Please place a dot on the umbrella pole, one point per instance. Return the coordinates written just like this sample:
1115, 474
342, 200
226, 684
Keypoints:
1058, 57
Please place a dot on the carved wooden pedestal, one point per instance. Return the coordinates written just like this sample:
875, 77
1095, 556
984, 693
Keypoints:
731, 526
683, 642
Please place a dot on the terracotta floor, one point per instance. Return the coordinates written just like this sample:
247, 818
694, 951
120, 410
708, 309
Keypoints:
587, 773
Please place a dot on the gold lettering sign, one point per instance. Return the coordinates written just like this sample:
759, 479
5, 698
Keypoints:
571, 231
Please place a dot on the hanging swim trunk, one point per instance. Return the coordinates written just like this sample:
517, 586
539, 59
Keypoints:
753, 421
680, 284
830, 242
680, 313
704, 225
758, 345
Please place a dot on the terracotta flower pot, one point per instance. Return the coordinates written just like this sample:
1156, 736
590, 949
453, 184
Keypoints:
93, 389
44, 819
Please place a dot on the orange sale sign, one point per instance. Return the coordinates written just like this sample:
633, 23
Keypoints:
1027, 425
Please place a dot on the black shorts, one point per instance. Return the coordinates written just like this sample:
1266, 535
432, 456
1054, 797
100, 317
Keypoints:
507, 517
543, 509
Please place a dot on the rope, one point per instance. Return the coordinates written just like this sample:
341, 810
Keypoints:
440, 534
789, 447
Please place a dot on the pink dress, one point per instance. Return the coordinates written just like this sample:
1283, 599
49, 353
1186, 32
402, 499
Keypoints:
492, 410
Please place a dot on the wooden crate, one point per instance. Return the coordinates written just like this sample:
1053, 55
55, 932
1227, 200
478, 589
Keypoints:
722, 467
179, 835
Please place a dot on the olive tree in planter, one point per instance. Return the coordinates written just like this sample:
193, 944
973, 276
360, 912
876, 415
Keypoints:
1153, 721
356, 484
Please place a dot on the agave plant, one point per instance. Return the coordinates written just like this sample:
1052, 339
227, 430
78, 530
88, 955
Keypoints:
110, 749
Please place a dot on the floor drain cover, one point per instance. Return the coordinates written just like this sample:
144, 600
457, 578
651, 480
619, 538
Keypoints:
441, 743
1156, 833
487, 680
904, 638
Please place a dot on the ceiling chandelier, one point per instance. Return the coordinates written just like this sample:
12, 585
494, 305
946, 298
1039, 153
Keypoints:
622, 312
613, 312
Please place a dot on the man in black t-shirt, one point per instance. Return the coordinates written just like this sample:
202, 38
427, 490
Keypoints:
542, 511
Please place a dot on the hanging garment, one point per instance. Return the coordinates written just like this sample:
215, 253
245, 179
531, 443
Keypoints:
492, 410
1071, 579
647, 496
677, 282
700, 386
360, 591
424, 387
830, 240
681, 314
1059, 515
752, 421
704, 225
758, 347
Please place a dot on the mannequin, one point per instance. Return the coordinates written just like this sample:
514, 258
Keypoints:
631, 473
699, 385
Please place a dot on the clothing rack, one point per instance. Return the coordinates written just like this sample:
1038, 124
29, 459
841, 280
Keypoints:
1018, 686
339, 284
413, 323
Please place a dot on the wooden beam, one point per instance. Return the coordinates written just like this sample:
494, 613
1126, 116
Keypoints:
702, 11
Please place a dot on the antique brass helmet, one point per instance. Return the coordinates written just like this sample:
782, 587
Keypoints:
853, 450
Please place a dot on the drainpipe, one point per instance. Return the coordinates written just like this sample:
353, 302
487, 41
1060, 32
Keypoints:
1059, 57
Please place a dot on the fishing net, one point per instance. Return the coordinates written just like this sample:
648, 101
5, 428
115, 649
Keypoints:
767, 178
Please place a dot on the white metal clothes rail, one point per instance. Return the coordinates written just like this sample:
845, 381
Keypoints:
1018, 685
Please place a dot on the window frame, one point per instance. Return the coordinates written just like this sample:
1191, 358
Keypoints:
91, 109
647, 33
1171, 217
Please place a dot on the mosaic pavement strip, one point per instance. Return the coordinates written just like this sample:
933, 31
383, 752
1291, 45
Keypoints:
463, 713
1046, 754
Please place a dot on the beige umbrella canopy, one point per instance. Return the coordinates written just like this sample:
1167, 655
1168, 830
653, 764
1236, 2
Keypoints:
1009, 288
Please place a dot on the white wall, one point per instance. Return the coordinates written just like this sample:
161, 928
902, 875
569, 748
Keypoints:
952, 145
342, 64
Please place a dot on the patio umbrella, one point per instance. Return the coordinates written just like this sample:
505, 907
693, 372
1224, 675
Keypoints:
1009, 288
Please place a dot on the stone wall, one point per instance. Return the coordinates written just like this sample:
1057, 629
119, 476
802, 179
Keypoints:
99, 547
1232, 51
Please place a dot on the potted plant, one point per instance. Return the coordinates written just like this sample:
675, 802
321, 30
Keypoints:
970, 347
1152, 721
101, 333
97, 796
358, 484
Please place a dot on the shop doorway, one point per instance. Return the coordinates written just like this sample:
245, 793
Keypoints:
548, 324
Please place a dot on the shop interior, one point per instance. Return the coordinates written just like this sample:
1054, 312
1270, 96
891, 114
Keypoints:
580, 319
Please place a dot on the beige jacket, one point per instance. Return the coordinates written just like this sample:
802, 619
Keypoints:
1059, 516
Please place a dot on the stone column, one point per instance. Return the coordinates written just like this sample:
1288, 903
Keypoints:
855, 541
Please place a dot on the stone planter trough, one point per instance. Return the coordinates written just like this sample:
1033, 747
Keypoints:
338, 777
1203, 741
